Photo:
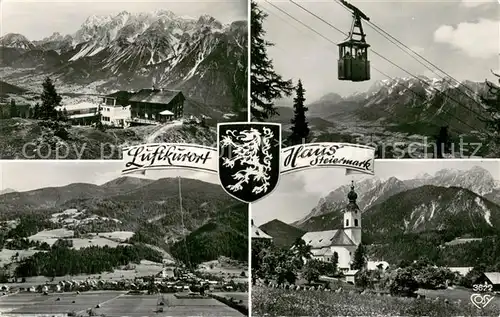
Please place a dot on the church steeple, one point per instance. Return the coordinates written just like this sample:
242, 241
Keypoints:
352, 196
352, 217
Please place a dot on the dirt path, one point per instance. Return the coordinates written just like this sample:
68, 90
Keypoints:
152, 137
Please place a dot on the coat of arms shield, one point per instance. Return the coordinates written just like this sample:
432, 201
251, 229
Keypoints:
249, 159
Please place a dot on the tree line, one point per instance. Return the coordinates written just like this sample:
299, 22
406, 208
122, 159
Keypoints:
412, 247
62, 260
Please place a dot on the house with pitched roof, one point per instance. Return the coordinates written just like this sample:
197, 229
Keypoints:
156, 106
343, 241
148, 106
489, 278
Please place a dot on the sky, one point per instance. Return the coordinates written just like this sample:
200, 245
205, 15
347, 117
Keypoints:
460, 36
29, 175
298, 193
39, 19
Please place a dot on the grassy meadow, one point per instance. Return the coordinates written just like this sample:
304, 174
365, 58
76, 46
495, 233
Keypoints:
282, 302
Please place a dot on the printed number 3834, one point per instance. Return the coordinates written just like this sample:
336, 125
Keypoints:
482, 288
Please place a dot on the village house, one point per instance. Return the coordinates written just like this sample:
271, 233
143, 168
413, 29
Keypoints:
350, 276
377, 265
489, 278
344, 242
461, 270
147, 107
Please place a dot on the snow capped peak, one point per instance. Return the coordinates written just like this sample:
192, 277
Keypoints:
164, 13
124, 13
97, 20
423, 175
15, 40
187, 17
56, 36
208, 20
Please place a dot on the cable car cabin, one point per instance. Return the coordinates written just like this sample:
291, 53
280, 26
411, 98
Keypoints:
353, 60
353, 63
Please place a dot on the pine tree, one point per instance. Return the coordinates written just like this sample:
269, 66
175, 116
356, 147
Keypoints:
13, 109
50, 100
98, 123
65, 115
335, 262
266, 84
300, 127
492, 103
36, 111
442, 142
359, 261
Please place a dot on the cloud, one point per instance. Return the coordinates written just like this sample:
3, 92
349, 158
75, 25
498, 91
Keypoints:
479, 40
475, 3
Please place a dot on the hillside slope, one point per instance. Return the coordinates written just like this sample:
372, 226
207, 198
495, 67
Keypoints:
284, 235
44, 142
224, 235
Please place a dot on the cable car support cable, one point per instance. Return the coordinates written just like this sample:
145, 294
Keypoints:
392, 39
415, 93
386, 59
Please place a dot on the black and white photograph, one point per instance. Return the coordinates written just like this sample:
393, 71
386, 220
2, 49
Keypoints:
417, 238
414, 79
98, 76
80, 239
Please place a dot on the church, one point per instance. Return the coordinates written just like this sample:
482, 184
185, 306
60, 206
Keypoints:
344, 241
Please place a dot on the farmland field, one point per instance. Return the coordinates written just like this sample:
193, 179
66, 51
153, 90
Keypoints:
282, 302
112, 304
236, 296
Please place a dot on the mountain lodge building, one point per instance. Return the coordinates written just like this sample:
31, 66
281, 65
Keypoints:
145, 107
84, 113
343, 241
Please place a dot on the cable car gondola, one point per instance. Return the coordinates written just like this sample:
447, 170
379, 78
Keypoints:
353, 63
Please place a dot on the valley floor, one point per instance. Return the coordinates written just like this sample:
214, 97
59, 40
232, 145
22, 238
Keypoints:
282, 302
112, 304
415, 140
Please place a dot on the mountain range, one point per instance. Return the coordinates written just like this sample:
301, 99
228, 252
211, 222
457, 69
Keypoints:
453, 202
148, 207
397, 110
202, 57
372, 191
